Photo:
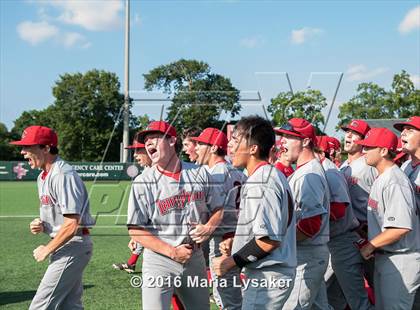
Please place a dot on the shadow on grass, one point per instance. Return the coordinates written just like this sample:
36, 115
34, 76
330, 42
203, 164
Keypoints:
16, 297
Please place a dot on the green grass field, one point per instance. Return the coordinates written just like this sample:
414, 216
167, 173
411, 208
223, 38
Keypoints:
20, 274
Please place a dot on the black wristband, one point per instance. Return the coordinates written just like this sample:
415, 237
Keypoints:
249, 253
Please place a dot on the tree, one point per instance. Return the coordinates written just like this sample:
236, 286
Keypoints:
34, 117
198, 95
87, 115
374, 102
7, 151
306, 104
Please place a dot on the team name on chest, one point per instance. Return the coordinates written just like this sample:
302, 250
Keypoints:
178, 201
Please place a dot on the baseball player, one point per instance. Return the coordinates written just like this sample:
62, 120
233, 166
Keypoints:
188, 145
410, 138
410, 144
171, 211
312, 203
64, 216
393, 225
211, 150
346, 261
360, 178
140, 155
358, 174
265, 242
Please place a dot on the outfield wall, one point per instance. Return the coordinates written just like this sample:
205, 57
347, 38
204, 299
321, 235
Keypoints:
20, 171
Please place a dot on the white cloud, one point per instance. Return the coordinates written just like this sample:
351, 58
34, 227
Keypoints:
411, 21
360, 72
252, 42
299, 36
74, 39
36, 32
416, 80
92, 15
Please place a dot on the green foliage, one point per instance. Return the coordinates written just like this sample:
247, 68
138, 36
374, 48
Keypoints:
7, 151
86, 109
374, 102
199, 96
306, 104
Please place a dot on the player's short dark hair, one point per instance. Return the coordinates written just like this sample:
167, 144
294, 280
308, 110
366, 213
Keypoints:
53, 149
191, 132
221, 152
257, 130
391, 154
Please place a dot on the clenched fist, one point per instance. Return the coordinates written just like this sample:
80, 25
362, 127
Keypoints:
36, 226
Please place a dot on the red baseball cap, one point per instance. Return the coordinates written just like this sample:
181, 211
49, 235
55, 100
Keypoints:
298, 127
380, 137
37, 135
357, 125
213, 136
322, 143
157, 126
334, 143
413, 121
136, 145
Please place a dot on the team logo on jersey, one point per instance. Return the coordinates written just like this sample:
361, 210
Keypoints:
178, 201
373, 204
45, 200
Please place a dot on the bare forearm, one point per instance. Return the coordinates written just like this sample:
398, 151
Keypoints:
389, 236
151, 242
66, 232
215, 220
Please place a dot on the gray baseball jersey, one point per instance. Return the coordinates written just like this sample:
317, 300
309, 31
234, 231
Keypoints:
413, 173
167, 207
62, 192
392, 204
312, 197
339, 193
360, 177
265, 210
230, 180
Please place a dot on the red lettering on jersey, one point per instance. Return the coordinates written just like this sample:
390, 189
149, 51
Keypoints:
178, 202
373, 204
45, 200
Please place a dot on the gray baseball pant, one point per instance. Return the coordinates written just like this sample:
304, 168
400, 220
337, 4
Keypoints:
158, 286
347, 264
397, 277
61, 287
312, 263
229, 297
262, 297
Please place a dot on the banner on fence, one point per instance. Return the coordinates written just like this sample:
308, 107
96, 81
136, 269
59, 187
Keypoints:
21, 171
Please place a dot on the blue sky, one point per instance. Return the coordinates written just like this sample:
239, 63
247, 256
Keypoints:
252, 42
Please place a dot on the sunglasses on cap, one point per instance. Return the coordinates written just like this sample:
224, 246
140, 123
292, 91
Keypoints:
288, 127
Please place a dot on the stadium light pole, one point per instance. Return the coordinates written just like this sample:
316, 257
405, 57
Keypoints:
126, 133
